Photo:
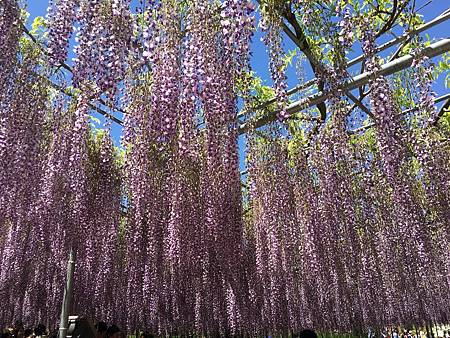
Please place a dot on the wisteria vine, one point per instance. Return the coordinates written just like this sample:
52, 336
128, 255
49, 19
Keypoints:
345, 231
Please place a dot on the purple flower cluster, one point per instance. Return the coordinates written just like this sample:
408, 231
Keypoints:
306, 11
423, 77
10, 26
349, 234
346, 30
104, 40
184, 185
325, 227
66, 190
60, 19
238, 25
384, 107
21, 130
271, 22
166, 75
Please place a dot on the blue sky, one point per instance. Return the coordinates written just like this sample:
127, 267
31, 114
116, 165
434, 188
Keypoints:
259, 59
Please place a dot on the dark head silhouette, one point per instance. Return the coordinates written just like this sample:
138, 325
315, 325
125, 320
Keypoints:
40, 330
112, 330
101, 327
307, 333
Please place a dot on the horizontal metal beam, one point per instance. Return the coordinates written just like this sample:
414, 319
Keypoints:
445, 107
439, 19
404, 112
389, 68
90, 104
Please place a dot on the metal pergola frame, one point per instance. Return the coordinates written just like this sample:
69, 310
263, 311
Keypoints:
407, 36
389, 68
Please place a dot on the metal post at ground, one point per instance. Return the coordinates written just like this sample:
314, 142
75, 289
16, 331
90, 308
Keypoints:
67, 297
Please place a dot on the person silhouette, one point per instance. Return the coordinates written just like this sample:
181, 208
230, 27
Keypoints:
307, 333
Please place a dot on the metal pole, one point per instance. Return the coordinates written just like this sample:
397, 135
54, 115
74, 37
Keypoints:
408, 35
67, 298
436, 100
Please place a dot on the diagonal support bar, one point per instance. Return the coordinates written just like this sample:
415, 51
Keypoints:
436, 101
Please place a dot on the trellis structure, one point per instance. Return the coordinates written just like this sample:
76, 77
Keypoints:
390, 68
318, 240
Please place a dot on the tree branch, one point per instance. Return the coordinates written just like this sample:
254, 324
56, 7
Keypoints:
306, 49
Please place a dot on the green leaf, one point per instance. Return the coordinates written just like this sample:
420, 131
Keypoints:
95, 120
38, 23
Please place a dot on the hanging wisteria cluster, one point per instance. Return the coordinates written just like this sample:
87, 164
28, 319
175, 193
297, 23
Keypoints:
271, 23
343, 232
342, 246
61, 190
183, 183
103, 35
347, 231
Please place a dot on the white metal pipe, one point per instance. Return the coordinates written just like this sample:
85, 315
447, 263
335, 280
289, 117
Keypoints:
67, 297
439, 19
410, 110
